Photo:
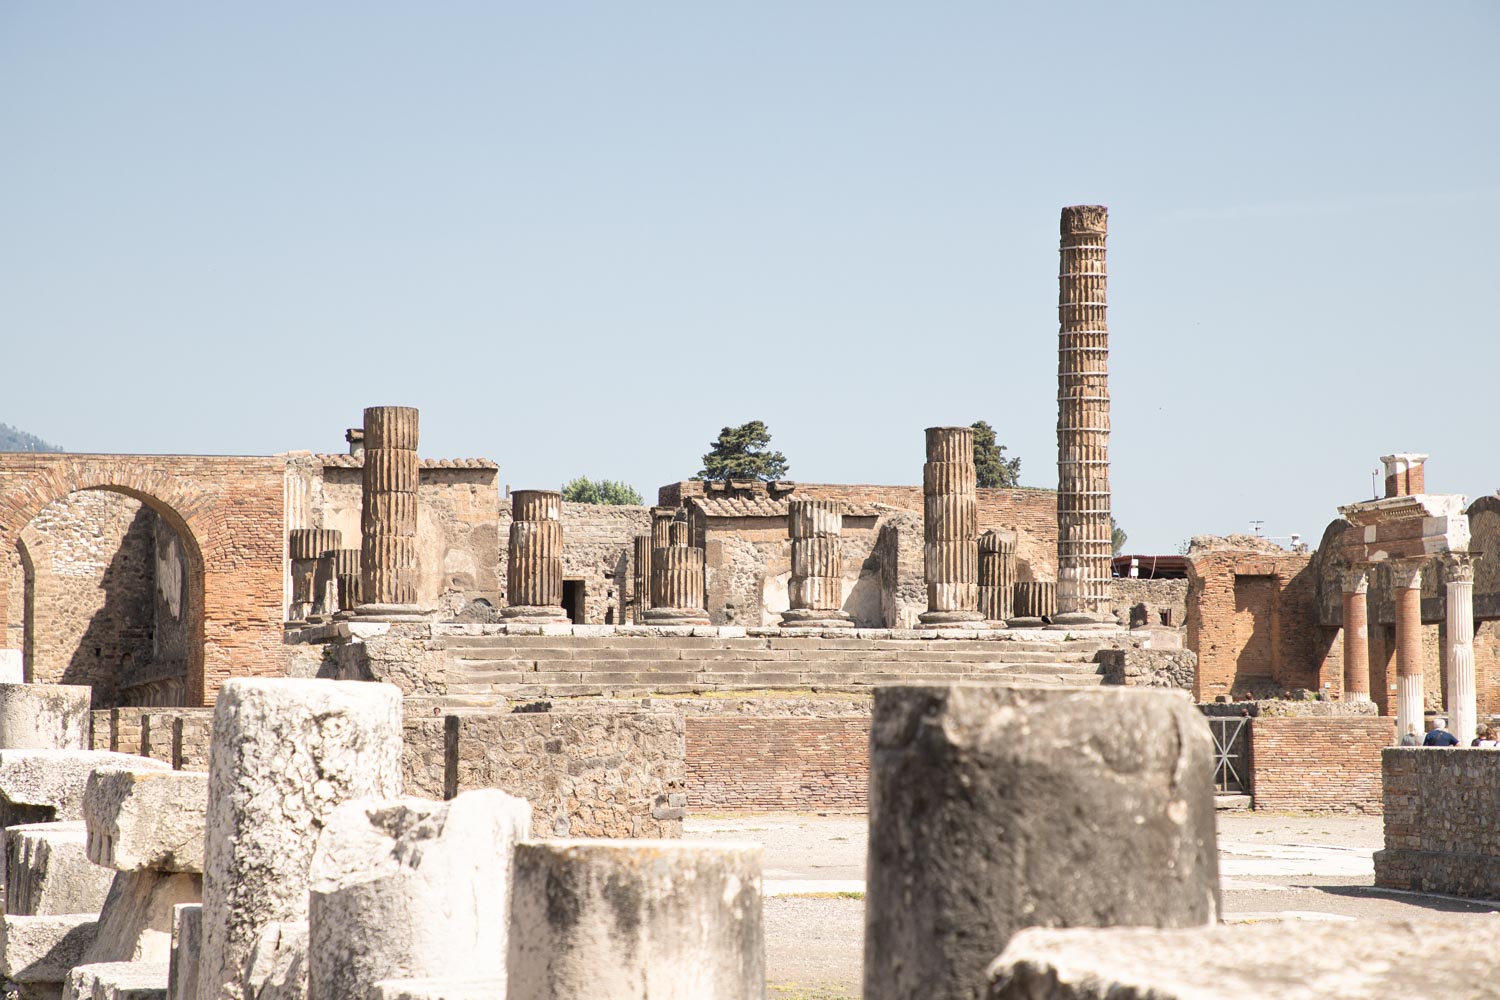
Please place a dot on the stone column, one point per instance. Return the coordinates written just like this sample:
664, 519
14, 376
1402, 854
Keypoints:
661, 526
641, 577
676, 581
636, 920
307, 547
388, 525
950, 527
346, 572
1084, 535
1462, 707
1406, 587
534, 560
816, 589
1356, 635
1035, 601
997, 576
995, 807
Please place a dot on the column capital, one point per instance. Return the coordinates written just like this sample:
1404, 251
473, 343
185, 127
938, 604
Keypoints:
1355, 579
1406, 574
1458, 567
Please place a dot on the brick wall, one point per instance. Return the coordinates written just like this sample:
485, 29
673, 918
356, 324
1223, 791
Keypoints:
1440, 829
1319, 764
778, 764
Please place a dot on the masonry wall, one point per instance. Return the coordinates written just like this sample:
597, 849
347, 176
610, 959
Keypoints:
1318, 764
1155, 600
785, 764
748, 570
1440, 834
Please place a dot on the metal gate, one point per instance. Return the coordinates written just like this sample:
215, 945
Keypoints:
1231, 755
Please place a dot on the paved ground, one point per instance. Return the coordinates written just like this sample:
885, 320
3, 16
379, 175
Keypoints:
1271, 867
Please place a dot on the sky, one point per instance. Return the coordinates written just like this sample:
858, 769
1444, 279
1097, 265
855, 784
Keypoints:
583, 237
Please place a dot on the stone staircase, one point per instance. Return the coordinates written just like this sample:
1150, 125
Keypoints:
485, 666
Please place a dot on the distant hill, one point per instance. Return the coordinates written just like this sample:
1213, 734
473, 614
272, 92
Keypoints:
14, 440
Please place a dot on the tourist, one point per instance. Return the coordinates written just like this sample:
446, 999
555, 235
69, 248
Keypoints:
1439, 736
1486, 738
1411, 738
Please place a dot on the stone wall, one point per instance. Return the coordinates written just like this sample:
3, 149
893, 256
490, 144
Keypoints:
597, 547
1440, 829
778, 764
1318, 764
1157, 600
1134, 667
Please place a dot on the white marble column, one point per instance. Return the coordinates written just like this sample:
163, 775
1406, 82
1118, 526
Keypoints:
1462, 708
1406, 589
1356, 634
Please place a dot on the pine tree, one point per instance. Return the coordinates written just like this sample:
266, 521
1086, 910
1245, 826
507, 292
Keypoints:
990, 463
740, 453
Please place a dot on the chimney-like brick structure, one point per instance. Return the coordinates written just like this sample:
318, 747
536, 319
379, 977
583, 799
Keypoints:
388, 523
534, 559
1084, 544
1405, 474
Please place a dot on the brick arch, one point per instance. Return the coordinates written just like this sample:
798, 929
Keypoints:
229, 515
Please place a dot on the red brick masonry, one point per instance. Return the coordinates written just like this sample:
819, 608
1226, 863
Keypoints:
794, 764
1319, 765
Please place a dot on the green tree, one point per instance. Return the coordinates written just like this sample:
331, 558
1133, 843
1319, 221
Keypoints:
990, 463
740, 453
606, 491
1117, 535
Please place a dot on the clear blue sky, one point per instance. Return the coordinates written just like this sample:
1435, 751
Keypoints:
583, 237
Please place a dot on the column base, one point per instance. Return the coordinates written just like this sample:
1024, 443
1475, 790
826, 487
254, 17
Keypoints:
996, 623
676, 616
535, 614
390, 613
1073, 621
808, 618
953, 619
1357, 696
1025, 621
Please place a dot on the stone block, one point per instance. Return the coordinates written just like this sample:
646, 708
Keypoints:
12, 666
42, 786
1365, 960
45, 716
43, 949
277, 967
187, 950
146, 819
117, 981
135, 924
412, 888
438, 989
994, 808
47, 871
286, 754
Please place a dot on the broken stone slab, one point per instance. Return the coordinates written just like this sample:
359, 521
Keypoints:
43, 949
45, 716
411, 888
277, 968
47, 871
997, 807
42, 786
117, 981
146, 819
438, 989
135, 924
636, 919
285, 755
1363, 960
187, 948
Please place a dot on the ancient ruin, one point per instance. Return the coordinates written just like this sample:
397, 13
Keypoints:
676, 580
997, 576
816, 590
950, 525
533, 576
388, 523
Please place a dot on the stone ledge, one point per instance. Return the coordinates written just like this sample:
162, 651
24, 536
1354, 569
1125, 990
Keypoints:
347, 631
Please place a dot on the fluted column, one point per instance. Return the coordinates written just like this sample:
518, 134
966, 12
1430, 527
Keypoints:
388, 522
346, 572
1356, 583
1084, 534
311, 571
997, 576
534, 559
816, 590
677, 581
1406, 588
641, 578
1462, 706
950, 527
1035, 601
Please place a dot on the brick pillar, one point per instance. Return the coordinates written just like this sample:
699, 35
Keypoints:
1084, 542
641, 578
677, 581
1405, 474
1462, 707
388, 524
534, 559
816, 590
997, 576
1406, 587
1356, 635
950, 525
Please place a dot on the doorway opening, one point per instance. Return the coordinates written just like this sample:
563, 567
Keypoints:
573, 596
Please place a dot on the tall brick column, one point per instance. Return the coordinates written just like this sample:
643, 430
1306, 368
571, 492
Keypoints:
534, 560
1462, 706
1356, 588
816, 590
1084, 535
997, 576
1406, 587
641, 577
677, 581
388, 524
950, 524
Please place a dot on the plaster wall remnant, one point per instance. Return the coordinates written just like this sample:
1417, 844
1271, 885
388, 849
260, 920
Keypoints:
1084, 529
388, 530
816, 590
534, 559
997, 576
950, 526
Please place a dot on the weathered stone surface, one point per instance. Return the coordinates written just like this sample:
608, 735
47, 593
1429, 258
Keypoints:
135, 924
39, 786
47, 871
44, 716
637, 920
187, 950
277, 969
43, 949
994, 808
117, 981
1135, 667
439, 989
12, 666
1440, 828
146, 819
1367, 960
286, 753
412, 888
